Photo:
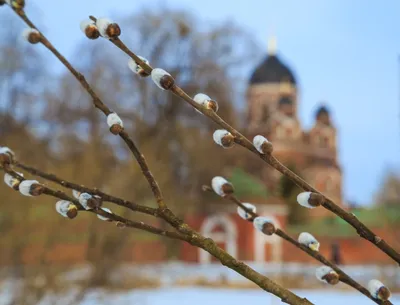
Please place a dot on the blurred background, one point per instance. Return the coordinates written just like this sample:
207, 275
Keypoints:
320, 79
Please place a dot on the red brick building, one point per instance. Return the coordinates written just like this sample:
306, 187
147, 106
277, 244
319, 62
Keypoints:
272, 104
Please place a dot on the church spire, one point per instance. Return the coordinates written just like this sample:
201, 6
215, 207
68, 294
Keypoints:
272, 45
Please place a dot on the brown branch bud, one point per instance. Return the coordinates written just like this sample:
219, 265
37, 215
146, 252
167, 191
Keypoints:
205, 101
327, 275
31, 188
221, 186
224, 138
162, 79
113, 30
89, 28
262, 145
32, 35
378, 290
116, 129
85, 200
264, 225
107, 28
310, 200
331, 278
5, 159
67, 209
94, 202
7, 156
92, 32
115, 123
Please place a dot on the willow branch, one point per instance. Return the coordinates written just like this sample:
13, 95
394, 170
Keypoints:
101, 106
343, 277
93, 191
111, 216
241, 140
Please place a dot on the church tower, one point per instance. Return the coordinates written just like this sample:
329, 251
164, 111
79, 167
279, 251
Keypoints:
271, 94
272, 106
323, 170
272, 111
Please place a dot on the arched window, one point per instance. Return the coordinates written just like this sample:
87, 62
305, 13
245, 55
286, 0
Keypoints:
222, 230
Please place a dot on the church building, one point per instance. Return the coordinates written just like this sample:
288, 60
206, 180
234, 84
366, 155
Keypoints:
272, 111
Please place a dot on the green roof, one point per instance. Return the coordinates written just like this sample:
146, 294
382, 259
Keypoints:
246, 184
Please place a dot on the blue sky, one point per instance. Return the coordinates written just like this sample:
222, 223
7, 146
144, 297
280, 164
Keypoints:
343, 52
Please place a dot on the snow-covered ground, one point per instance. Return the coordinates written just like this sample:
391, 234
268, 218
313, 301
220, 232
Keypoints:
209, 296
169, 275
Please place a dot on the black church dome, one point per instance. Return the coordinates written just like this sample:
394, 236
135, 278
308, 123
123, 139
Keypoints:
272, 70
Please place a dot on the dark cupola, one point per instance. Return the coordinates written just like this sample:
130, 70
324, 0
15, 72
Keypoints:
322, 115
272, 69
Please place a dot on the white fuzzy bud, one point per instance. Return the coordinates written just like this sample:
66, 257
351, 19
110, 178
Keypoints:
309, 200
378, 290
205, 101
201, 99
12, 181
220, 185
258, 142
302, 199
259, 223
327, 275
309, 241
76, 194
83, 200
31, 35
114, 119
102, 217
85, 23
162, 78
223, 138
25, 187
6, 150
137, 69
243, 214
64, 207
102, 25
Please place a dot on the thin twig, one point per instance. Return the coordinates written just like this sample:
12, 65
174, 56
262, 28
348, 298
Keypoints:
113, 217
93, 191
240, 139
315, 254
101, 106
